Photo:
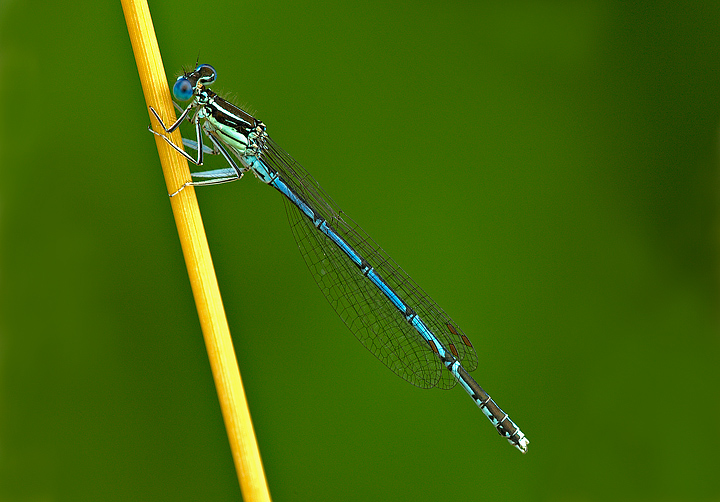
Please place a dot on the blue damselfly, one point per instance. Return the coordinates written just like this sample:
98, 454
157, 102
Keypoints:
390, 314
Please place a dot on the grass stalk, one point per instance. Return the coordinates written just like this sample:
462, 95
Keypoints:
194, 244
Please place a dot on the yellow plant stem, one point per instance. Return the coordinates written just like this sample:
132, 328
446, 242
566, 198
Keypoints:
197, 257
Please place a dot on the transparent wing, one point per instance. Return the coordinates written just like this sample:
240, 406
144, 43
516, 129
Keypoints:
372, 318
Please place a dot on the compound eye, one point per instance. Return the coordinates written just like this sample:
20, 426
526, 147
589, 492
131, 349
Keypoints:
206, 74
183, 89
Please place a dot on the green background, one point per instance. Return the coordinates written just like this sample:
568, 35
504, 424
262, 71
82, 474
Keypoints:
546, 171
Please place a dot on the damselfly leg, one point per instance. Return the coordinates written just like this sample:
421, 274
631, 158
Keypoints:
213, 177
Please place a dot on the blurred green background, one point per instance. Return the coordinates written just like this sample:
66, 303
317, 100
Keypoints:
546, 171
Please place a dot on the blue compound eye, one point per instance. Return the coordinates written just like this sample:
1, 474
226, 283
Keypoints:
183, 89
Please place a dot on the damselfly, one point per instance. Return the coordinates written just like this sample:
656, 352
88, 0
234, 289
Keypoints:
377, 300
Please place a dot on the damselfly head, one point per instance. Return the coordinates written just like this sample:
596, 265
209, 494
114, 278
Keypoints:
205, 74
185, 85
